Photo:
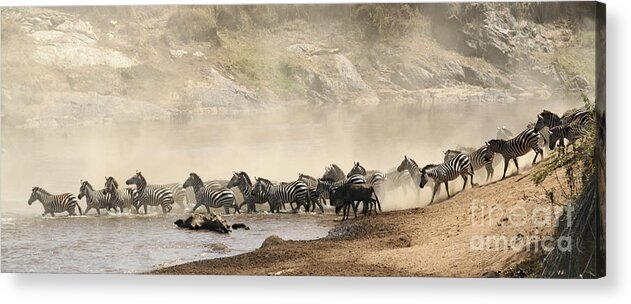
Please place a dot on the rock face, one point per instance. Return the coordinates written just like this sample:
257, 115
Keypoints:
211, 221
331, 76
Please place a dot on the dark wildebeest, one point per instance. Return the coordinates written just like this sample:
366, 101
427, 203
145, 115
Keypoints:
346, 195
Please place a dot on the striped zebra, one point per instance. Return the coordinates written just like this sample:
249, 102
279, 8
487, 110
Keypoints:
479, 158
571, 132
334, 172
410, 165
179, 193
515, 147
395, 179
242, 181
460, 165
123, 198
373, 177
294, 192
94, 199
151, 195
65, 202
312, 182
551, 120
211, 198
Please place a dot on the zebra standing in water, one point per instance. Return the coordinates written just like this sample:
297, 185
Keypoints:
515, 147
94, 199
294, 192
242, 181
460, 165
312, 183
179, 194
211, 198
65, 202
123, 198
479, 158
151, 195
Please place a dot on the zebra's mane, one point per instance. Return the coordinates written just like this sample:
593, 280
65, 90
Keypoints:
196, 178
300, 175
412, 161
41, 190
112, 181
549, 114
428, 166
358, 167
142, 178
246, 176
337, 169
265, 180
88, 185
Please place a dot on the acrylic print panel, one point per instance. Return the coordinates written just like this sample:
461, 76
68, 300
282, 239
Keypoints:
448, 140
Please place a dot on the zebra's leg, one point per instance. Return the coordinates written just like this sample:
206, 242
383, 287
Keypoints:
436, 186
464, 177
516, 165
98, 211
145, 207
447, 188
196, 206
506, 160
208, 209
489, 172
164, 209
537, 152
52, 214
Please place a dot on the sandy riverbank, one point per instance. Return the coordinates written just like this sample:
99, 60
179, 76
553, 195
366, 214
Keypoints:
443, 239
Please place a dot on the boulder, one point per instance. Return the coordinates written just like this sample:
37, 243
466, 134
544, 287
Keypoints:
272, 240
211, 221
475, 77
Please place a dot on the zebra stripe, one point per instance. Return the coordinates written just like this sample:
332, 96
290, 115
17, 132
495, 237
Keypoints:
242, 181
479, 158
179, 193
571, 132
123, 198
410, 165
151, 195
65, 202
551, 120
373, 177
94, 199
210, 198
294, 192
460, 165
313, 182
515, 147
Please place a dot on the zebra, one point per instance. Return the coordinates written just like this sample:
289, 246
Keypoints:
570, 131
94, 199
121, 197
294, 192
550, 120
179, 193
312, 182
242, 181
65, 202
151, 195
479, 158
459, 165
409, 165
209, 197
395, 179
517, 146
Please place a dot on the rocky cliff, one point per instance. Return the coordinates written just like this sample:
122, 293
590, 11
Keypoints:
86, 65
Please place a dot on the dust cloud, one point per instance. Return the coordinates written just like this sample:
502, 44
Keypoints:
277, 144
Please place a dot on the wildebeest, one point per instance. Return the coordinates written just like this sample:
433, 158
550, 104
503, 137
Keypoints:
346, 195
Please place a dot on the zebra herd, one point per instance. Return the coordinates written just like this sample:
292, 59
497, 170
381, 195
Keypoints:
309, 192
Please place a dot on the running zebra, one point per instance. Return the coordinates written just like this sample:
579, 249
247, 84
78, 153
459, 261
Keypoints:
123, 198
179, 193
515, 147
479, 158
211, 198
65, 202
460, 165
242, 181
395, 179
294, 192
94, 199
551, 120
151, 195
